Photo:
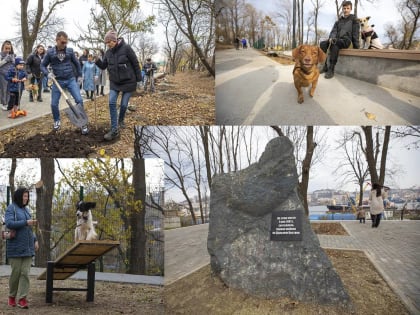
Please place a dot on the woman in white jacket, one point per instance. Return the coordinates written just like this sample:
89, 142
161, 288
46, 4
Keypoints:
377, 196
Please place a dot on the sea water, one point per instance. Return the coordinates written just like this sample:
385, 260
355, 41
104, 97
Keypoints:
320, 213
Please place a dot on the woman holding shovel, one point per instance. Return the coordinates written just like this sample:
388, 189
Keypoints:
62, 60
124, 73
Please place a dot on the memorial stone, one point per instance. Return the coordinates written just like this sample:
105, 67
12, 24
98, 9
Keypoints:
260, 239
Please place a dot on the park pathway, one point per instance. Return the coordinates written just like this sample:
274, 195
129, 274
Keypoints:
252, 89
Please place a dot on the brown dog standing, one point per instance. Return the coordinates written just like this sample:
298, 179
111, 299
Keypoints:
306, 70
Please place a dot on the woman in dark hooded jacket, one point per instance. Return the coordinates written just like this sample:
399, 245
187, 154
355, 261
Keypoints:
124, 73
21, 248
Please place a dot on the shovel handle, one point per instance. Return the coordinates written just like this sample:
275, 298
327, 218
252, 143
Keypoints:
60, 89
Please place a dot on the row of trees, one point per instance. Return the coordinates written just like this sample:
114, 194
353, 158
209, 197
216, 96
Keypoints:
287, 27
189, 29
118, 186
193, 155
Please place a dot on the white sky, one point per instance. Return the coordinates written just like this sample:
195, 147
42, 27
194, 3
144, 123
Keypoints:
75, 12
322, 177
380, 11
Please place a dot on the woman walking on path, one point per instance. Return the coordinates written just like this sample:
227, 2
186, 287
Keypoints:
21, 248
124, 73
377, 196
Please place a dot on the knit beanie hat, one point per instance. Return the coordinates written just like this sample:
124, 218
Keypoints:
19, 61
111, 36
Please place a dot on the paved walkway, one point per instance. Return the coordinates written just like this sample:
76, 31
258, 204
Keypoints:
393, 248
252, 89
185, 251
101, 276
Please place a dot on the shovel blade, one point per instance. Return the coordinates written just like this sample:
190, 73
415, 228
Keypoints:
77, 116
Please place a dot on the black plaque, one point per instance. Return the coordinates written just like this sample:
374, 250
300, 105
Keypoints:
286, 226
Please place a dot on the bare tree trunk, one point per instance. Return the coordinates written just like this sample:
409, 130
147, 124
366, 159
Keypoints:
137, 264
12, 177
306, 165
44, 193
204, 132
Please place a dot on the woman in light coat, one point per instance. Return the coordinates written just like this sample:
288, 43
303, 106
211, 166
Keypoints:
377, 196
90, 76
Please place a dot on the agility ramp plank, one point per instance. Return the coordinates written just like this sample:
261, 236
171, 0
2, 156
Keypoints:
79, 256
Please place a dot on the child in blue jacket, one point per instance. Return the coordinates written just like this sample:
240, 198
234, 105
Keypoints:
16, 76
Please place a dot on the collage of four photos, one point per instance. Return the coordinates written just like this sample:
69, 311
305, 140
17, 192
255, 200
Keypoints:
210, 157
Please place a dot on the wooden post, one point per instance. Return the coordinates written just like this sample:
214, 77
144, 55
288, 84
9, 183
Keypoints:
90, 282
50, 282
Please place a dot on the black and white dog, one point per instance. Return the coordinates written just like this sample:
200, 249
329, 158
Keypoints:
85, 229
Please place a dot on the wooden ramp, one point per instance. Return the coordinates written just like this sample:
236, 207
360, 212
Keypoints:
81, 255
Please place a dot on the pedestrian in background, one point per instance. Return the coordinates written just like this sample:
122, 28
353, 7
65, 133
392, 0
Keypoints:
21, 248
7, 60
149, 68
33, 70
376, 197
90, 75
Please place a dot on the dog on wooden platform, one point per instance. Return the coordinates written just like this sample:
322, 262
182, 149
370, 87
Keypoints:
306, 70
85, 229
370, 39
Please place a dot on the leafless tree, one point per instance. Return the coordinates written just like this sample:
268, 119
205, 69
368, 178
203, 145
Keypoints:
195, 19
44, 199
32, 24
375, 149
352, 168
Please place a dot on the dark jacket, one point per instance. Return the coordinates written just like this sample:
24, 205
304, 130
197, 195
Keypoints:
23, 245
33, 65
149, 68
123, 67
63, 70
347, 29
14, 86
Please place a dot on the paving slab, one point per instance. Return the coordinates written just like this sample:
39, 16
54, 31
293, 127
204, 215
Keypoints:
252, 89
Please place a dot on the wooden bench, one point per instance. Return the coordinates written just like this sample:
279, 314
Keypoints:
81, 255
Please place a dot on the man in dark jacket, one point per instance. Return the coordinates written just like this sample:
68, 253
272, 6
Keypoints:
149, 68
33, 69
344, 33
124, 73
62, 60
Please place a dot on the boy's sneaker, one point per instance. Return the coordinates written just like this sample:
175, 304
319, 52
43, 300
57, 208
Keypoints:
111, 135
23, 303
85, 130
4, 107
57, 125
12, 301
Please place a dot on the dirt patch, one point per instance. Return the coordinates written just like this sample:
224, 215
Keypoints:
200, 293
280, 58
110, 298
329, 228
184, 99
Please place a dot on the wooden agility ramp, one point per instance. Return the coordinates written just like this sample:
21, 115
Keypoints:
81, 255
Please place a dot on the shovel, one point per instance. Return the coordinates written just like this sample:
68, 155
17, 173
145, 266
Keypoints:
75, 113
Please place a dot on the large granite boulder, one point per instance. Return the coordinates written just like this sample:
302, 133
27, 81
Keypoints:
239, 242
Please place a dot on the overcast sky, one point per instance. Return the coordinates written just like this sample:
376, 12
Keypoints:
322, 174
380, 11
75, 12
